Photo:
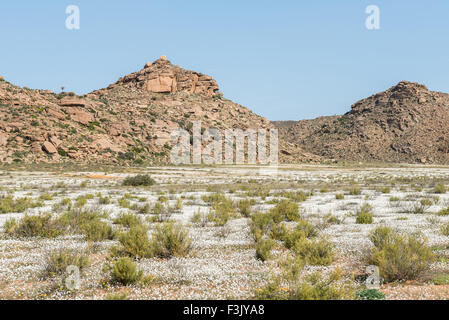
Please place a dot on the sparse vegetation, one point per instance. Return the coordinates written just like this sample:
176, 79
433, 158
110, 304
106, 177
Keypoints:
399, 256
139, 181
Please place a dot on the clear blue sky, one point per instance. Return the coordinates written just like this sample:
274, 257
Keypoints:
282, 59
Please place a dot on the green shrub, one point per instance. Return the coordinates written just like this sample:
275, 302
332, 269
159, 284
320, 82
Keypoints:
330, 219
104, 200
139, 180
221, 211
439, 188
364, 215
124, 202
339, 196
59, 260
10, 205
385, 190
440, 279
117, 296
302, 230
355, 191
291, 285
445, 229
128, 220
88, 223
245, 207
263, 249
35, 226
399, 256
45, 197
135, 243
370, 294
314, 252
171, 240
124, 271
444, 212
364, 218
97, 230
285, 211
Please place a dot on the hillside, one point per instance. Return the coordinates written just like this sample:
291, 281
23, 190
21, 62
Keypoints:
407, 123
128, 122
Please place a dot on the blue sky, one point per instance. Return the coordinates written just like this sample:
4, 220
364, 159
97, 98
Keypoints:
285, 60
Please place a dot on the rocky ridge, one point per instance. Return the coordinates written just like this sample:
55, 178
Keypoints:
128, 122
406, 123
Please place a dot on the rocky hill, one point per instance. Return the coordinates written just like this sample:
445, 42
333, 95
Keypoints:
128, 122
407, 123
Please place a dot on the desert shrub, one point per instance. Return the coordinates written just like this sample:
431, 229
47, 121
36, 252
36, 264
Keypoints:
355, 191
364, 218
421, 206
444, 212
128, 220
171, 240
178, 204
9, 204
262, 224
394, 199
124, 202
385, 190
439, 188
104, 200
364, 214
159, 208
339, 196
314, 252
263, 249
302, 230
291, 285
399, 256
245, 207
440, 279
45, 197
370, 294
88, 223
124, 271
117, 296
298, 196
97, 230
285, 211
135, 243
59, 260
200, 218
139, 180
81, 200
35, 226
445, 229
221, 211
330, 219
144, 208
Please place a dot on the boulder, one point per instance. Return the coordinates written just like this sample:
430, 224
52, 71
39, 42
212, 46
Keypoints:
3, 139
48, 147
80, 115
56, 142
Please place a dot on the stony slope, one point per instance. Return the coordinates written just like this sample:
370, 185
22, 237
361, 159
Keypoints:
128, 122
407, 123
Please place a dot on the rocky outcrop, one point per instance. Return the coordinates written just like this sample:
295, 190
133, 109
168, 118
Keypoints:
129, 122
49, 147
407, 123
163, 77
